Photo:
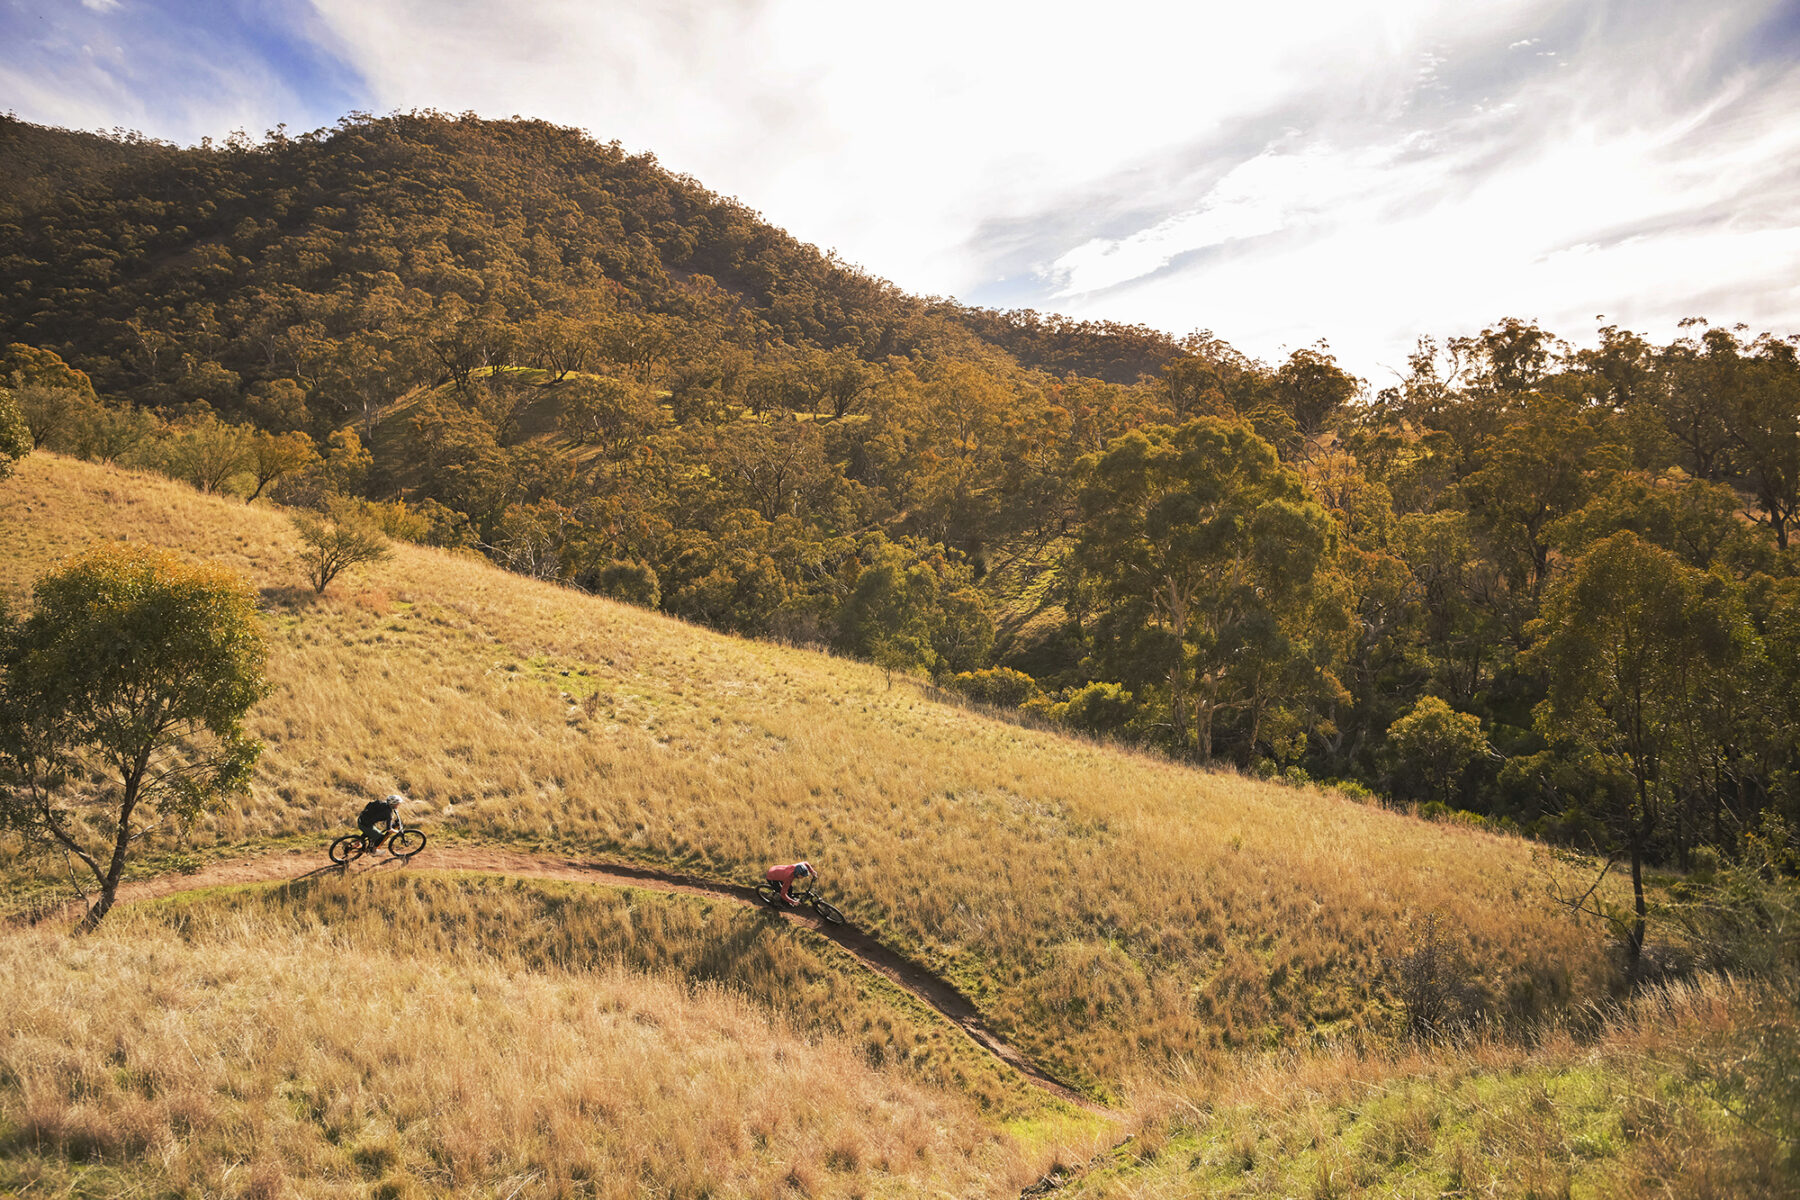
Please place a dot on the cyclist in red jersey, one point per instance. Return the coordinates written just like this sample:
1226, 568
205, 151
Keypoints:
785, 876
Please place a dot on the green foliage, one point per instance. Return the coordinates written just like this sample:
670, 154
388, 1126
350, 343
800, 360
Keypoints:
1643, 655
601, 411
275, 456
15, 437
333, 544
911, 608
1433, 745
209, 453
122, 697
1202, 550
1104, 709
1002, 687
632, 582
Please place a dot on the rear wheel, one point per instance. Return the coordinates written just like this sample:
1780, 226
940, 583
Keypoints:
406, 843
768, 894
828, 911
346, 848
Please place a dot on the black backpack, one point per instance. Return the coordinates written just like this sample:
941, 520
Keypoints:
375, 812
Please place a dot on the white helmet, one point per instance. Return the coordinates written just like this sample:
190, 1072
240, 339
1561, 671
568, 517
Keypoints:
396, 798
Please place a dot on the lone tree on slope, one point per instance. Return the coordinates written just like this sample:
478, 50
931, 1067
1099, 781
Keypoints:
122, 697
335, 544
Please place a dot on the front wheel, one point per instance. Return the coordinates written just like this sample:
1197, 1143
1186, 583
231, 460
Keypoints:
346, 848
828, 911
406, 843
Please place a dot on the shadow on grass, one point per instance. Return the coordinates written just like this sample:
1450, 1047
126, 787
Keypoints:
290, 597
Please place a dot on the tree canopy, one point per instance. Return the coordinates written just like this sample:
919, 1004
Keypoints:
122, 697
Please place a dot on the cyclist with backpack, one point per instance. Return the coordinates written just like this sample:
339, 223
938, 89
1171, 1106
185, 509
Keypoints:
786, 876
377, 819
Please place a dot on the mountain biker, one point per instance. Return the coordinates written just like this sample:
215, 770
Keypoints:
786, 875
376, 819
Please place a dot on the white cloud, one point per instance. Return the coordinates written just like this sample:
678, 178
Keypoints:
891, 133
1364, 170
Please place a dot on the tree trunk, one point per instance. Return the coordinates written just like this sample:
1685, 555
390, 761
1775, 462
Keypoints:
115, 870
1178, 704
109, 883
1634, 943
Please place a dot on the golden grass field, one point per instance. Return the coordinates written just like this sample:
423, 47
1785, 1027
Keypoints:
1106, 910
435, 1035
1211, 954
222, 1048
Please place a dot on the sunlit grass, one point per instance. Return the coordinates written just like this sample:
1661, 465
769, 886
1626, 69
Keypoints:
247, 1050
815, 985
1626, 1110
1104, 909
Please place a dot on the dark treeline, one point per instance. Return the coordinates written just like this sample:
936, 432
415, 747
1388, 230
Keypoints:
1548, 586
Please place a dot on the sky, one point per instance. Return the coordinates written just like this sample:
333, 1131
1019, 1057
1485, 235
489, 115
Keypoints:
1278, 174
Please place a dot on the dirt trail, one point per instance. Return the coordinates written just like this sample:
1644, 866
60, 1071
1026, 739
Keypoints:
903, 971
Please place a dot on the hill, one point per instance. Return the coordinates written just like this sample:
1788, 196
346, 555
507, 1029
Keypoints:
1220, 956
511, 337
1100, 907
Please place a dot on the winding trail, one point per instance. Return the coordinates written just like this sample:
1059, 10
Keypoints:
915, 978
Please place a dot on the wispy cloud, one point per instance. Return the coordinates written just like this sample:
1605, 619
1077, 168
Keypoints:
1361, 170
177, 69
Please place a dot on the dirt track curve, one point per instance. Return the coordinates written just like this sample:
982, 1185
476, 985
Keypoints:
899, 969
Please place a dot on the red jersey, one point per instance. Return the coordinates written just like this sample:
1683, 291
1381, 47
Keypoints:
784, 875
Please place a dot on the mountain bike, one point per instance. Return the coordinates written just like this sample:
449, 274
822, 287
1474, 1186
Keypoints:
401, 842
770, 894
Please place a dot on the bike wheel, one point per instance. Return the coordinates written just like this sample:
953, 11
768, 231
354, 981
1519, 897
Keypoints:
406, 843
346, 848
828, 911
768, 894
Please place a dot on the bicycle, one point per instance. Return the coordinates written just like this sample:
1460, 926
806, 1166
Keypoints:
401, 842
770, 894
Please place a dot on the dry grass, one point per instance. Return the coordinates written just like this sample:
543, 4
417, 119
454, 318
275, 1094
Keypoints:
1103, 908
1629, 1110
262, 1054
815, 986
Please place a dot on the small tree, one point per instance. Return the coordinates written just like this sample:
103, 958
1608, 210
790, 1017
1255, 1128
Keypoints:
274, 456
122, 698
1433, 745
1637, 648
208, 452
346, 539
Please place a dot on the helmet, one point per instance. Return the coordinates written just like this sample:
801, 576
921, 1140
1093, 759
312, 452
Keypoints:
804, 868
396, 798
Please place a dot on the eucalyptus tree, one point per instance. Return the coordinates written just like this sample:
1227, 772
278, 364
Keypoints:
122, 699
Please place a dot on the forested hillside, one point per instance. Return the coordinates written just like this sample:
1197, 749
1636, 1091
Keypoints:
1554, 587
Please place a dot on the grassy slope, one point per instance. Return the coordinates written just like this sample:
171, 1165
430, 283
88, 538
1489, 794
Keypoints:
340, 1040
1628, 1111
1100, 906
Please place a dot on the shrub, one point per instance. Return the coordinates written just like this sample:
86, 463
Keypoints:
633, 582
1002, 687
1101, 708
1429, 984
